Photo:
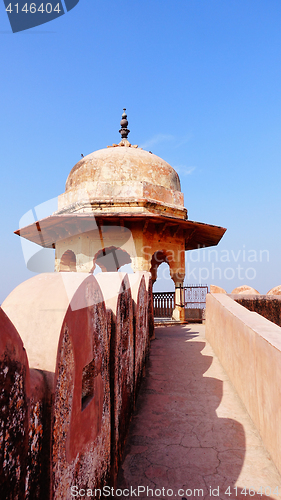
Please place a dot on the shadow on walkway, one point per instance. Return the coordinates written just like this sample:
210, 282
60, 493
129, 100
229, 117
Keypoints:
188, 436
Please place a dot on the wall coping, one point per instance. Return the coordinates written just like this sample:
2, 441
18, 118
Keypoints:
260, 325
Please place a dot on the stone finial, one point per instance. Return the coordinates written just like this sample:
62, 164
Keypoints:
124, 124
124, 131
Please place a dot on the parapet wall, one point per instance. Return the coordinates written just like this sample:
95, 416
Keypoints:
72, 352
268, 306
249, 348
14, 406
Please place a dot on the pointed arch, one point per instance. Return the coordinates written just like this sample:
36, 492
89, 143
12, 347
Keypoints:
110, 259
157, 258
68, 262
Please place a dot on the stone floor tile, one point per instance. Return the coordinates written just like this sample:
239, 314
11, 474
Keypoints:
190, 432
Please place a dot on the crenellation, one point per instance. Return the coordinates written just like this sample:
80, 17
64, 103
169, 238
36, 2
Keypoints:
77, 407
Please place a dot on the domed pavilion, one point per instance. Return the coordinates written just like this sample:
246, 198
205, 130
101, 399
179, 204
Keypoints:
122, 205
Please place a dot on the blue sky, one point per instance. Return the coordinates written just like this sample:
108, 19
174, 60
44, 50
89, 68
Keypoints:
201, 83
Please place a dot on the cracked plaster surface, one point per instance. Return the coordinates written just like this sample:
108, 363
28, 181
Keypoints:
190, 430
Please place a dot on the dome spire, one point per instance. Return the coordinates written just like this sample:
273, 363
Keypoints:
124, 124
124, 131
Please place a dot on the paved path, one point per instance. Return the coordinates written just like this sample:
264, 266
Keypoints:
190, 431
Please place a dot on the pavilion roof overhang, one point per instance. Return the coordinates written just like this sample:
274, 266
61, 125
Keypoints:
48, 231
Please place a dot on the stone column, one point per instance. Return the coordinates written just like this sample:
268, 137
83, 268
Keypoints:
178, 312
177, 268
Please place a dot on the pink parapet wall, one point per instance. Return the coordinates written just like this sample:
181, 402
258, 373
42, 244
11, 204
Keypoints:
25, 434
121, 323
14, 399
81, 428
86, 340
128, 299
249, 348
61, 318
141, 324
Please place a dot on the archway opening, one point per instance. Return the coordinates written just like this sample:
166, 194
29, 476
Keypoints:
163, 282
160, 272
68, 262
126, 268
111, 259
97, 270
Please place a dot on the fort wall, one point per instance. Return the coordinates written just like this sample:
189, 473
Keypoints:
249, 348
73, 349
268, 306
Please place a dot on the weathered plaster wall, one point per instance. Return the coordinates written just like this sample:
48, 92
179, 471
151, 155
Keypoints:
37, 484
249, 348
141, 337
118, 301
118, 196
82, 337
85, 246
268, 306
150, 310
14, 398
81, 425
141, 244
37, 308
24, 422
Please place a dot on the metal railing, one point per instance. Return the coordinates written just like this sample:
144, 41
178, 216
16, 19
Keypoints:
163, 304
192, 297
195, 296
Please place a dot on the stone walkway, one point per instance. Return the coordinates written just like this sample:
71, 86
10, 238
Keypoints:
190, 436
